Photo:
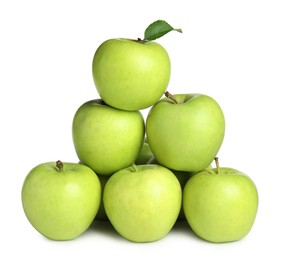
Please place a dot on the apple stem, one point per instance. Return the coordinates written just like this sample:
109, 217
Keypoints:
217, 164
134, 167
170, 96
59, 165
139, 40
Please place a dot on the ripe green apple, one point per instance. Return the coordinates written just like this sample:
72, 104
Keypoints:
105, 138
186, 131
131, 74
220, 204
61, 200
142, 202
145, 154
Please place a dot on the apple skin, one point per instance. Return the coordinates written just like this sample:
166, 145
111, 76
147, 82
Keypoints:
61, 204
192, 131
220, 207
131, 74
143, 203
105, 138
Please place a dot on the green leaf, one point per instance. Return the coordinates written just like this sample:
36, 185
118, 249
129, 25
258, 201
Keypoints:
158, 29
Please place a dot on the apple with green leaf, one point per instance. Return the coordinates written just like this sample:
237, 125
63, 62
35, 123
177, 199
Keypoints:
61, 200
105, 138
220, 204
185, 131
142, 202
133, 74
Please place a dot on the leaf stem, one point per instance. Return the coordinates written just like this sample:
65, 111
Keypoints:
141, 41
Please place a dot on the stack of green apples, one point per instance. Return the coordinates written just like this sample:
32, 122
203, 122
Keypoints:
142, 174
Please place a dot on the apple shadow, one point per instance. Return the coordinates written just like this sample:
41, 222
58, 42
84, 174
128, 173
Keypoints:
104, 228
181, 227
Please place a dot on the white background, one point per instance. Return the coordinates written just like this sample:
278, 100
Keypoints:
230, 50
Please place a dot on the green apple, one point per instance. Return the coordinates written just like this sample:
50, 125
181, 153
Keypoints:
61, 200
220, 204
131, 74
145, 154
185, 131
105, 138
142, 202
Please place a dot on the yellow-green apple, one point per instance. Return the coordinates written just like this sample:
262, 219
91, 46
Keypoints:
143, 202
105, 138
61, 200
131, 74
220, 204
185, 131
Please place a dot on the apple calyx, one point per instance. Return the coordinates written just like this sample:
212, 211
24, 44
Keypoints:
59, 165
171, 97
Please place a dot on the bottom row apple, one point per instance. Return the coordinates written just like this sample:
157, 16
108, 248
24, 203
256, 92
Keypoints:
61, 199
142, 202
220, 204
